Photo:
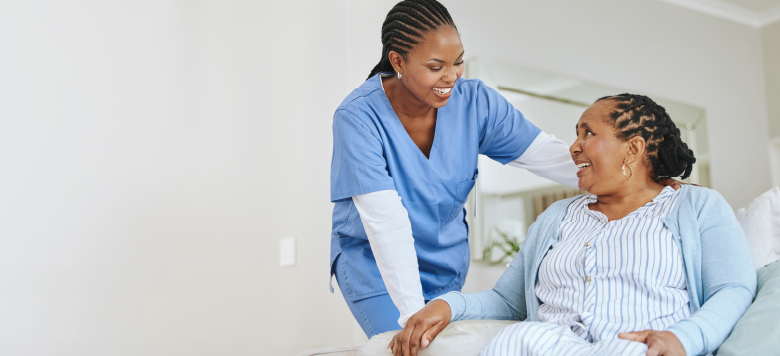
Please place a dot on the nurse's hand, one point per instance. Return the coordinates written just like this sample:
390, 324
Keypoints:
676, 184
421, 328
659, 343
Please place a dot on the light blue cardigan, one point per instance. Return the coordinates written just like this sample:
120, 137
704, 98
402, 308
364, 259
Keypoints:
719, 271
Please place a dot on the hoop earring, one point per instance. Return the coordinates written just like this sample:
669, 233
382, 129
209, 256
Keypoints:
400, 75
624, 170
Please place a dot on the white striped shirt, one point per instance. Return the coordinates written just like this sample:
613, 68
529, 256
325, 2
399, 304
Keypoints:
604, 277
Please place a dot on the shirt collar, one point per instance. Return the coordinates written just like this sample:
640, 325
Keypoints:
665, 193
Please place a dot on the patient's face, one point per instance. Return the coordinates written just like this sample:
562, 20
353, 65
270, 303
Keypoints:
598, 151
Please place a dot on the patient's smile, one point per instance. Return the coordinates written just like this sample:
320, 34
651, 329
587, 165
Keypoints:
582, 166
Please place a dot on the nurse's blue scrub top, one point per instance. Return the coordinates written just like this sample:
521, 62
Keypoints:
372, 151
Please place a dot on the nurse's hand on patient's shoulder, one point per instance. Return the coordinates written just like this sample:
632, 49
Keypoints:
659, 343
674, 183
421, 328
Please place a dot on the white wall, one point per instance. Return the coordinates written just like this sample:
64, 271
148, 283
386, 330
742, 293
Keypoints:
152, 153
771, 41
770, 35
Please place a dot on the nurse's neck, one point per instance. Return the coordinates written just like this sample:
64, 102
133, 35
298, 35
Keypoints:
404, 102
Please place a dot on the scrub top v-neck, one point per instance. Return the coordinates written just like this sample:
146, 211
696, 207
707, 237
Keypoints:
436, 124
373, 152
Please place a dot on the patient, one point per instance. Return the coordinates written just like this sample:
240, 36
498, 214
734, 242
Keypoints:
633, 268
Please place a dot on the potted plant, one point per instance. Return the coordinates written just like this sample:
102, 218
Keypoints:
503, 242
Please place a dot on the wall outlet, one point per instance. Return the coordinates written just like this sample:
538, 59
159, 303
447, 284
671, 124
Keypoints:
287, 252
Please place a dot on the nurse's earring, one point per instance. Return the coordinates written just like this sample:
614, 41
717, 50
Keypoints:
400, 75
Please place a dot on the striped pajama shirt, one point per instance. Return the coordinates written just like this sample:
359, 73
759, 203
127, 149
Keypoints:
602, 278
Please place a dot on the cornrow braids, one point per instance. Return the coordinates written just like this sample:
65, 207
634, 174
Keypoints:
638, 115
405, 25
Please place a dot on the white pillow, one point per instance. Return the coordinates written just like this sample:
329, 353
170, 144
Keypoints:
761, 222
462, 338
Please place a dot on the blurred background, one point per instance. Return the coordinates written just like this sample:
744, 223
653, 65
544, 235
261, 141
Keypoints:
160, 159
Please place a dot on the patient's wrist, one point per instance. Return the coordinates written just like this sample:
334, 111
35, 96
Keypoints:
442, 307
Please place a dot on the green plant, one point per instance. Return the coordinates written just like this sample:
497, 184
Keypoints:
509, 246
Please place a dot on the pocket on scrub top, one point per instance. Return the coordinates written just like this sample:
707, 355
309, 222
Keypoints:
462, 191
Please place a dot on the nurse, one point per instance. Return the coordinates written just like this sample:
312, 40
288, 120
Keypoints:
405, 147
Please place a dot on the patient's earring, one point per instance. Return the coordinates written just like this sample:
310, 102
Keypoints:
400, 75
624, 170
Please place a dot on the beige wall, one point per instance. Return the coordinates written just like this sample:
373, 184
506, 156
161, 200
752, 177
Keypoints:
153, 153
770, 36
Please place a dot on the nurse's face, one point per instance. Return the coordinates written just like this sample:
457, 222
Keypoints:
598, 151
433, 65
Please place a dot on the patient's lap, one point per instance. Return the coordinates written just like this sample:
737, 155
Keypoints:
540, 338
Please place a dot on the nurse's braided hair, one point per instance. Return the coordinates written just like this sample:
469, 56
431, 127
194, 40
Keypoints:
638, 115
405, 25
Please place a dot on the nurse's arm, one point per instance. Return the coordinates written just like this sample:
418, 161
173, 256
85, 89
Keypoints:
389, 231
549, 157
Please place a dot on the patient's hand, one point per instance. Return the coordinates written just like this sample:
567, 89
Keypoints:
421, 328
659, 343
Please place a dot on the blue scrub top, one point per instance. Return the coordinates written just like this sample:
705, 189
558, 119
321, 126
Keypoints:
372, 151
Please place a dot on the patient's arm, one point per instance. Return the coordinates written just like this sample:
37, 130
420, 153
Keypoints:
728, 279
506, 301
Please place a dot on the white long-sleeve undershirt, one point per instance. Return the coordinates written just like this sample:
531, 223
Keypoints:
549, 157
389, 230
390, 235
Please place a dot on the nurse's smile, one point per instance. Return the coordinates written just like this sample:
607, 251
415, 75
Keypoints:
443, 93
428, 72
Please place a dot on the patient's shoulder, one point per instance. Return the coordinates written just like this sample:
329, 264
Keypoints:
701, 196
703, 202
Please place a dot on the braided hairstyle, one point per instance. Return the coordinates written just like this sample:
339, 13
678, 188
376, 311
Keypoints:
638, 115
405, 25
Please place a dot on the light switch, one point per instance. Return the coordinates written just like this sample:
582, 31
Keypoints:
287, 252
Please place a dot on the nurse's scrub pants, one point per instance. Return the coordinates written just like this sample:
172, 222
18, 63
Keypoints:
539, 338
374, 314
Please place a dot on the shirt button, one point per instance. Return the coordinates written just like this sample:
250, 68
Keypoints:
587, 279
587, 244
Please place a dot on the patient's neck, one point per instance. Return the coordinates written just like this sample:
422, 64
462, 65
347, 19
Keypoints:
630, 195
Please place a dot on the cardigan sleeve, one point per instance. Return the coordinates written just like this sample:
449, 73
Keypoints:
728, 279
513, 297
505, 301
